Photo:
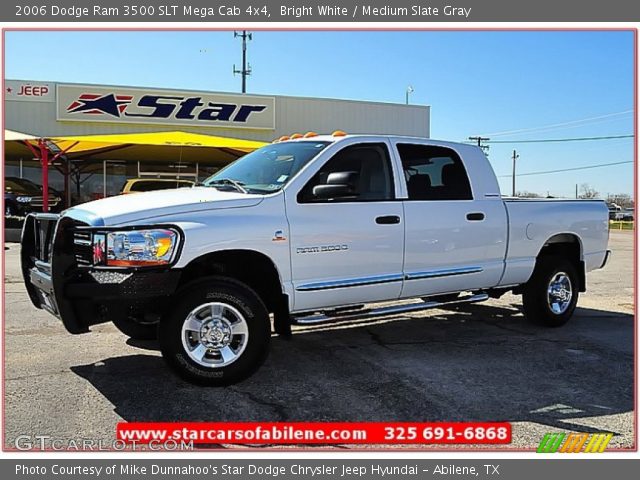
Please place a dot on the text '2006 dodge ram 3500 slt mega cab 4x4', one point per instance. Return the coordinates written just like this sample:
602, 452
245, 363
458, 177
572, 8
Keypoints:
308, 230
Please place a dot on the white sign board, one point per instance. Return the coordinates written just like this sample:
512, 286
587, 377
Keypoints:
163, 107
16, 90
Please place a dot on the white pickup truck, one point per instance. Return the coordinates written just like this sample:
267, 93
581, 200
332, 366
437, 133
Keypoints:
308, 230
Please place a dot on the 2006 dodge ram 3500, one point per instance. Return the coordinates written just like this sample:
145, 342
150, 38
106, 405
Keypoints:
308, 230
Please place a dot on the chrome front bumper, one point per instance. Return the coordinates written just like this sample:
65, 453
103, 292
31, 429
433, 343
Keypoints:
59, 281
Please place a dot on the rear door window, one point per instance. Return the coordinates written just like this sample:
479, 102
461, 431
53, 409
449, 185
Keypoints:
434, 173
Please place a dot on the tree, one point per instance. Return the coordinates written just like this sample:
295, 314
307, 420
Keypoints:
527, 194
587, 191
623, 200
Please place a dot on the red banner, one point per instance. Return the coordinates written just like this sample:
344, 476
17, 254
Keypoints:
319, 433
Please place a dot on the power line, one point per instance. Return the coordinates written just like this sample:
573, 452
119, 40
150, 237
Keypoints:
574, 139
562, 124
551, 140
569, 169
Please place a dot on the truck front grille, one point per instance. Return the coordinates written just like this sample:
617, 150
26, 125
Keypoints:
44, 230
82, 249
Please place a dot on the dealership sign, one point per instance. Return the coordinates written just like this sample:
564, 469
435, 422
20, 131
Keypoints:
17, 90
132, 105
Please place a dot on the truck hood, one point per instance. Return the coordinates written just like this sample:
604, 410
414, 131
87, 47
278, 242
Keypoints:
136, 207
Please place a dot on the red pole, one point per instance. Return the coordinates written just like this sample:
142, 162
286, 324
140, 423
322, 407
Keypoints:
44, 158
66, 185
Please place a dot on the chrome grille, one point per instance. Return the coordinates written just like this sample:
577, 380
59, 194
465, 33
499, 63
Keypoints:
37, 201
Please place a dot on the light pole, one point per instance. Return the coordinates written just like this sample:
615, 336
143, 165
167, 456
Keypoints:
409, 90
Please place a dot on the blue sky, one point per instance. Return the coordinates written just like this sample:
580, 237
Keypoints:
578, 83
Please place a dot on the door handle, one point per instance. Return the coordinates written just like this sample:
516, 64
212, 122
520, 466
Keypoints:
475, 216
388, 220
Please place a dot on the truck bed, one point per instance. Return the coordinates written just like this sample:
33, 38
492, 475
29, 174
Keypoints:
534, 222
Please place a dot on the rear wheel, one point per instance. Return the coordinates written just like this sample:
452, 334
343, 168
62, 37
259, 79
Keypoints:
550, 296
217, 334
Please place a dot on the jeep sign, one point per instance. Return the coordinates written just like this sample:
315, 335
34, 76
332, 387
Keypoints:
16, 90
132, 105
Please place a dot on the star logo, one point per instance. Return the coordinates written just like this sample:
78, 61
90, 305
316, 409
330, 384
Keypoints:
93, 104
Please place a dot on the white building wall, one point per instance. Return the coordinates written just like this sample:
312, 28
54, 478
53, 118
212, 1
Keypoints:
292, 114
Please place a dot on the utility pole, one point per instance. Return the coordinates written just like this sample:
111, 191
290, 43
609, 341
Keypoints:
480, 140
513, 176
246, 70
576, 191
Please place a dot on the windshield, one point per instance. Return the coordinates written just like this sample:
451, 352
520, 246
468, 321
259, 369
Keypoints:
267, 169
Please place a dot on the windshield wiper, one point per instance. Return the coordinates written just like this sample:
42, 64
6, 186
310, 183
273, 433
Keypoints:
229, 181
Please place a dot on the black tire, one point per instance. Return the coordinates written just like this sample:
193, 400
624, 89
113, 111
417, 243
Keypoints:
543, 308
239, 304
135, 330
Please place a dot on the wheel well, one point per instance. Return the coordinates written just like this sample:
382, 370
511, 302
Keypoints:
248, 266
568, 246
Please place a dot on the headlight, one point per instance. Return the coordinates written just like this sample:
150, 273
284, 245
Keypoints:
134, 248
23, 199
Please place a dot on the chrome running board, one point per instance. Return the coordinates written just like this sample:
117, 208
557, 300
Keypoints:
327, 317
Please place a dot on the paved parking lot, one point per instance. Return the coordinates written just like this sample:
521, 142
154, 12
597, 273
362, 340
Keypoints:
482, 362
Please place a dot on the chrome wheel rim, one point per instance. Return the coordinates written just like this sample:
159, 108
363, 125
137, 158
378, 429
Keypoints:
559, 293
215, 334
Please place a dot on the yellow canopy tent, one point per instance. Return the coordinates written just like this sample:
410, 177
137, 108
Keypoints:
12, 135
156, 146
14, 143
86, 152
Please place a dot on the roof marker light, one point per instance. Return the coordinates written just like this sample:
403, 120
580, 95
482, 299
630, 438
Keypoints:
283, 138
339, 133
296, 135
310, 135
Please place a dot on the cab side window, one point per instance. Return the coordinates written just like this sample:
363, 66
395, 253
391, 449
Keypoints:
357, 173
434, 173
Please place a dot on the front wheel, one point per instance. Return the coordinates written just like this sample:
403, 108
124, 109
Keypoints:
135, 329
550, 296
217, 334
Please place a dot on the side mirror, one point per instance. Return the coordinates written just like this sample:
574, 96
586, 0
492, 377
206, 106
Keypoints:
325, 192
339, 185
